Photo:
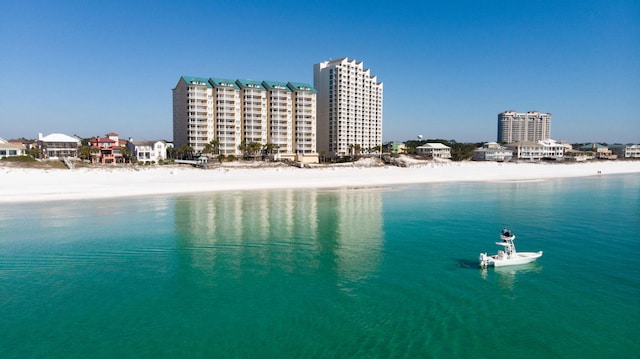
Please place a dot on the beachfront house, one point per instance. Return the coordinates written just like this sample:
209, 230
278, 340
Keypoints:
527, 150
395, 147
58, 145
553, 150
536, 151
106, 150
599, 151
492, 151
11, 149
148, 151
434, 150
626, 151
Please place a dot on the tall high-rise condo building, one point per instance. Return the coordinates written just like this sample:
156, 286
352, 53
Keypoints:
349, 107
233, 113
531, 126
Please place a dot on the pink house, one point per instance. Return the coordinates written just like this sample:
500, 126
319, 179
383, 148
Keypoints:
106, 149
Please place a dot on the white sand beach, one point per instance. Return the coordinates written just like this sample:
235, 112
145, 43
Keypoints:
28, 185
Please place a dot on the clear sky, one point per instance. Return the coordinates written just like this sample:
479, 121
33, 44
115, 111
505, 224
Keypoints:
448, 67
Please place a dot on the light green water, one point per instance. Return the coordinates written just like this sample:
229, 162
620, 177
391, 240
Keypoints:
366, 273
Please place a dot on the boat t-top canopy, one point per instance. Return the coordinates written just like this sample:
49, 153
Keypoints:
506, 232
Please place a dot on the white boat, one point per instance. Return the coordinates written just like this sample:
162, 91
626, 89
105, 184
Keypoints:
508, 256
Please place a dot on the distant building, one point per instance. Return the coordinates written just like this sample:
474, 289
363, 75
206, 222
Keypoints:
396, 147
537, 151
492, 151
492, 145
576, 155
626, 151
11, 149
235, 113
434, 150
349, 107
58, 145
531, 126
599, 151
148, 151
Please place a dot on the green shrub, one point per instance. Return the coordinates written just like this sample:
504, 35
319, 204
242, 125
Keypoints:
19, 159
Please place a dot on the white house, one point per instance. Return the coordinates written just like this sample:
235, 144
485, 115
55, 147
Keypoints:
434, 150
492, 151
8, 149
536, 151
626, 151
58, 145
148, 151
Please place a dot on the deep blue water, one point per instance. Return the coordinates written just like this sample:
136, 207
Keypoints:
345, 273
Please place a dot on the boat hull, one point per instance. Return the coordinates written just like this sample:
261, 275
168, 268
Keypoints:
508, 256
517, 259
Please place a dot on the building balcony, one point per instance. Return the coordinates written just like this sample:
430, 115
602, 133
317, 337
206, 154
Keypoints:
305, 129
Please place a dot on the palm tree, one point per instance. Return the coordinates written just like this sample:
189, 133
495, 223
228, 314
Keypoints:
179, 152
323, 154
33, 152
208, 148
188, 151
212, 147
254, 148
356, 150
269, 148
126, 154
84, 152
243, 147
216, 146
184, 152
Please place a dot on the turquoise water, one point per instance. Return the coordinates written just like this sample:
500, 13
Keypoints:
346, 273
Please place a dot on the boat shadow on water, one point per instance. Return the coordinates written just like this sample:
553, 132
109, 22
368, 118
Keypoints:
468, 264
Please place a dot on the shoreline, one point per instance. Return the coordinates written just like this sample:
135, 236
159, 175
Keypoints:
21, 185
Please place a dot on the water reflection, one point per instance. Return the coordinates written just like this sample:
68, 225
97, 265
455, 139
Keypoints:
330, 233
507, 276
74, 220
358, 234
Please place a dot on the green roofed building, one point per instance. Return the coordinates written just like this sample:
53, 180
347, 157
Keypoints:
245, 117
304, 118
280, 115
225, 83
192, 117
253, 111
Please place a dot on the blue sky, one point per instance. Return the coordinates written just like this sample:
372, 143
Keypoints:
448, 67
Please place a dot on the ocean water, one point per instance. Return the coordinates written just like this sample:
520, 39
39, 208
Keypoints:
384, 272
